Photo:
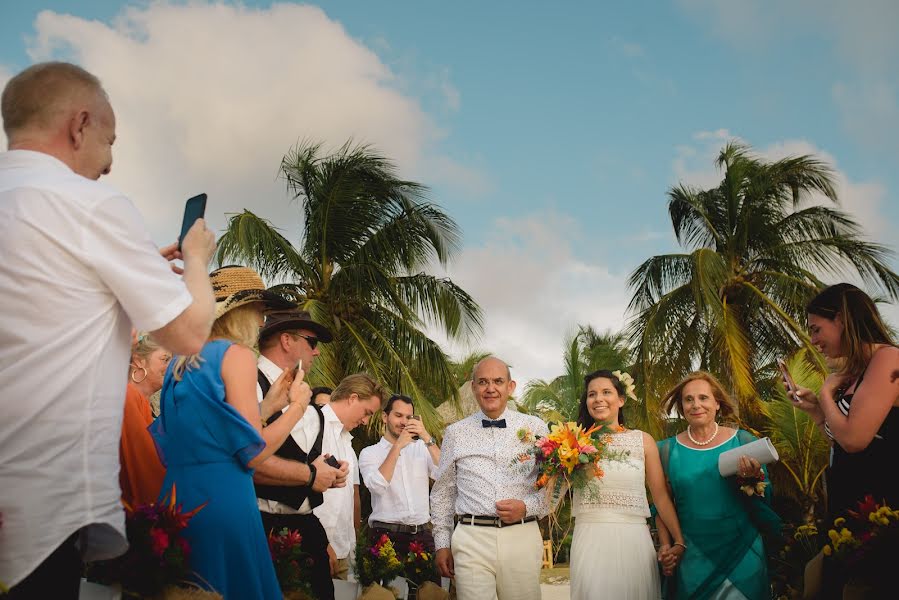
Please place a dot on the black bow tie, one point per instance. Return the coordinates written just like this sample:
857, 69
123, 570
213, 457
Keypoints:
500, 423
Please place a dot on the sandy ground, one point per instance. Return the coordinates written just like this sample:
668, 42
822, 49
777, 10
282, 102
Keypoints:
554, 592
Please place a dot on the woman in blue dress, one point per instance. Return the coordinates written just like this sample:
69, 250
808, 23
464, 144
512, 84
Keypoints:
722, 525
210, 438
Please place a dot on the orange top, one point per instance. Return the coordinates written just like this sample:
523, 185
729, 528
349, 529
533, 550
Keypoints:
142, 474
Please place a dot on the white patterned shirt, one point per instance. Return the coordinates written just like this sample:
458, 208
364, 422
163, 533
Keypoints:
478, 468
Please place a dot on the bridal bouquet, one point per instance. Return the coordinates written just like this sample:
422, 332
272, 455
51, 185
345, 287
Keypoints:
568, 455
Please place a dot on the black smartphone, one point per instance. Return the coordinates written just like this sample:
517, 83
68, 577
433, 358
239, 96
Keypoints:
333, 462
194, 208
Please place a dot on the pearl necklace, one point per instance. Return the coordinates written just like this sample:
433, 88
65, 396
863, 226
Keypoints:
705, 443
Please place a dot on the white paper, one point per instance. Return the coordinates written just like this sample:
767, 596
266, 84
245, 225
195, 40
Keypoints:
762, 450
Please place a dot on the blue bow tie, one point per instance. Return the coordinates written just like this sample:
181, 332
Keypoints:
500, 423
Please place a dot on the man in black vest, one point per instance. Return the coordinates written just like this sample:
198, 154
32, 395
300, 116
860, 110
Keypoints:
291, 482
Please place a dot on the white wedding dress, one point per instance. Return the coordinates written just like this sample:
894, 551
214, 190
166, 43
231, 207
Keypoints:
612, 554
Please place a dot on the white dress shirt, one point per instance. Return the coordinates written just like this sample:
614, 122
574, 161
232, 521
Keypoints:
336, 512
478, 468
403, 499
78, 270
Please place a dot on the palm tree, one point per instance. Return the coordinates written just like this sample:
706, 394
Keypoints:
585, 351
360, 267
802, 447
756, 245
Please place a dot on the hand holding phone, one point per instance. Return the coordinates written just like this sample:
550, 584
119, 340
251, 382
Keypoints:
417, 418
789, 383
333, 462
194, 208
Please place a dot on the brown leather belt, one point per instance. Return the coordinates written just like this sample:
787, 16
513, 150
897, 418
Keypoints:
400, 528
479, 521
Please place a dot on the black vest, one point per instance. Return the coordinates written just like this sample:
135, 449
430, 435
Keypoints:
292, 495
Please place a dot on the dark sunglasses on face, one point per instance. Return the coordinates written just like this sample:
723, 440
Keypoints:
310, 339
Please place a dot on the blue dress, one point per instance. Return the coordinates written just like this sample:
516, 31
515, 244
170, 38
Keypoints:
722, 527
205, 445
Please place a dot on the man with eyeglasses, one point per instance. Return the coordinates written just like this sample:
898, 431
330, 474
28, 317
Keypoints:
292, 482
484, 505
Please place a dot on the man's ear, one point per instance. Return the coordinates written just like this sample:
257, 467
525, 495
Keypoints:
511, 386
77, 124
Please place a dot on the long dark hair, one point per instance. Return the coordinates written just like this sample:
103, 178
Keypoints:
583, 415
862, 325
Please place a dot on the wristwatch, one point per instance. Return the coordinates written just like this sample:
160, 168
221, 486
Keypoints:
430, 443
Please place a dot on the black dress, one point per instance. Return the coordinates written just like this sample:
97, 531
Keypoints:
852, 476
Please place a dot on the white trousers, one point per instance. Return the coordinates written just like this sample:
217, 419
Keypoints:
497, 562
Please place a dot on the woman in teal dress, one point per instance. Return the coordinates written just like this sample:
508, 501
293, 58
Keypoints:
208, 436
722, 525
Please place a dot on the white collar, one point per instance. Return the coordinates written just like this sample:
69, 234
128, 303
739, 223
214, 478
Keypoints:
34, 156
331, 417
269, 368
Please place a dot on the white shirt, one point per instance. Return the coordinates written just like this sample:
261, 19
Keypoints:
478, 468
403, 499
78, 268
336, 512
308, 434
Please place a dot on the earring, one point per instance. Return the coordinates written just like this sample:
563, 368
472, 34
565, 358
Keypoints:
133, 371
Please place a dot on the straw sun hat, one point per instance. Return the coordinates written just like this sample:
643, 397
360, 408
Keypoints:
235, 286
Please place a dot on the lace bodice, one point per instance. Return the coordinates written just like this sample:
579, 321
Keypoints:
622, 489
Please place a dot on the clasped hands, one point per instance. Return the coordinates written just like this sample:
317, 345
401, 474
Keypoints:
669, 557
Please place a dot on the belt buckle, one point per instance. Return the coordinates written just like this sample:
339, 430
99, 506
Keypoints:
414, 529
498, 522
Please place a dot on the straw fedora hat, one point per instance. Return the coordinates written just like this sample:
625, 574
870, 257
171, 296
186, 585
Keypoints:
235, 286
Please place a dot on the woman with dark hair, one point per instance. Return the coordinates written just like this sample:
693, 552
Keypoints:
858, 406
722, 521
612, 555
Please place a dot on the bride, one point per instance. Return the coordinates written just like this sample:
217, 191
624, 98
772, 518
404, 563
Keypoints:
612, 554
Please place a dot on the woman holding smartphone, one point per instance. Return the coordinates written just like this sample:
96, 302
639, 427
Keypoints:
858, 406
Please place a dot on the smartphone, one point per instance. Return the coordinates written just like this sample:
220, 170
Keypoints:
789, 384
417, 418
194, 208
333, 462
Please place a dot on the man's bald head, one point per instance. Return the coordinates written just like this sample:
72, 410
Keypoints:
41, 96
492, 385
62, 110
489, 360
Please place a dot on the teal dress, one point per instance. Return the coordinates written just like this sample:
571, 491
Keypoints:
722, 527
205, 445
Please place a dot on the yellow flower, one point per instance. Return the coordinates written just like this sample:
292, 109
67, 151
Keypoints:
834, 536
839, 522
827, 551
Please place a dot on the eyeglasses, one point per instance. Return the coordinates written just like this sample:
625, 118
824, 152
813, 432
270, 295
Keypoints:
311, 339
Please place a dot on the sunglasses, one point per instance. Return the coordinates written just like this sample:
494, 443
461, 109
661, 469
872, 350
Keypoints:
310, 339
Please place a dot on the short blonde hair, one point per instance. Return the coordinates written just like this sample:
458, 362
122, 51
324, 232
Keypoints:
674, 399
360, 384
239, 325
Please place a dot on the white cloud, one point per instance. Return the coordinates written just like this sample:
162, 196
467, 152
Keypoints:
209, 97
534, 290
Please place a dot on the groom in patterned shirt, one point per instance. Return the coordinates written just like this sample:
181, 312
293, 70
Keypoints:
495, 549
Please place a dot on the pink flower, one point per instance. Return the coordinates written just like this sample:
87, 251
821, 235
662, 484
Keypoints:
588, 449
159, 540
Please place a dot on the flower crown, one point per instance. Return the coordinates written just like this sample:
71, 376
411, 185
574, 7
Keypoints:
628, 382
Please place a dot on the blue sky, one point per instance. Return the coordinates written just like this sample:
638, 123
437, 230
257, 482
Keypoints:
549, 132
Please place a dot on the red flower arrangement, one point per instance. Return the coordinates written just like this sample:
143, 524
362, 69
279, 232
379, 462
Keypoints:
157, 556
419, 564
291, 564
